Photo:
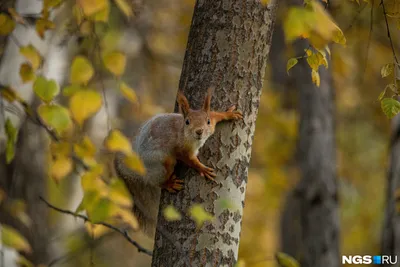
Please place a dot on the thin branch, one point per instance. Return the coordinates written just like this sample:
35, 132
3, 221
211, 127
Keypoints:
124, 233
388, 32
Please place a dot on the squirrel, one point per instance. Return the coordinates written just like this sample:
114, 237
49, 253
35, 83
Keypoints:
161, 142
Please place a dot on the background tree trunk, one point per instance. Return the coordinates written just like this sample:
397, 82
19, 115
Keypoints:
310, 222
227, 48
25, 178
391, 227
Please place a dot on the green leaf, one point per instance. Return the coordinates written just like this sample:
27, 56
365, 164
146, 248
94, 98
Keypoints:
101, 210
115, 62
7, 24
390, 107
32, 55
71, 89
172, 214
81, 70
387, 69
11, 133
10, 151
199, 215
26, 73
46, 89
291, 63
84, 104
13, 239
55, 116
285, 260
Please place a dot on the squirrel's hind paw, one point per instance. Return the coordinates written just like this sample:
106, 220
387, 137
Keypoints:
173, 184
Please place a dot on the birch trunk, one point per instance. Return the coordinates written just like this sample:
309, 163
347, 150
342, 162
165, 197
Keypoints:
228, 44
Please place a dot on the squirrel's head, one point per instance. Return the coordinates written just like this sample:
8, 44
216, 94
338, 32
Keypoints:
198, 125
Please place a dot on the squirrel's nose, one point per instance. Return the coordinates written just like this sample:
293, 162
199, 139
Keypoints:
199, 131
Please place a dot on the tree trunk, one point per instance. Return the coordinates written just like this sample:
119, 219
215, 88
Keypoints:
310, 222
228, 44
25, 178
391, 227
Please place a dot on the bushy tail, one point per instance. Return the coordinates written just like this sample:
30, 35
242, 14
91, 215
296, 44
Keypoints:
145, 196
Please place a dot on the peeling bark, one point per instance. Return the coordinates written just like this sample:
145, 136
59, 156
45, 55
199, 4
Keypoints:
228, 44
310, 222
391, 227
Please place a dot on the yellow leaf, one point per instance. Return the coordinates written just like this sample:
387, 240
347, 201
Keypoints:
117, 142
313, 61
338, 37
285, 260
199, 215
91, 7
135, 163
103, 14
13, 239
81, 70
95, 230
128, 93
32, 55
115, 62
172, 214
387, 70
315, 77
119, 193
264, 2
291, 63
7, 24
127, 217
86, 150
124, 7
84, 104
60, 168
42, 25
26, 73
297, 23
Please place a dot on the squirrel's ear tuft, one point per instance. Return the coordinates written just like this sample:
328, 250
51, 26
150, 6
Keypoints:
183, 103
207, 100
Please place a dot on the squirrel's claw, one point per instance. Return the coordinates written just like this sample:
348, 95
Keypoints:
209, 173
173, 184
235, 115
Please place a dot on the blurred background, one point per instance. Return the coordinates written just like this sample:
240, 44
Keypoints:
154, 41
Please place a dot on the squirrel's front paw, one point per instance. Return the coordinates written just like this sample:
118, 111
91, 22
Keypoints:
208, 173
235, 114
173, 184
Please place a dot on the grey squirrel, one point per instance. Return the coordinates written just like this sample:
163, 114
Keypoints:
161, 141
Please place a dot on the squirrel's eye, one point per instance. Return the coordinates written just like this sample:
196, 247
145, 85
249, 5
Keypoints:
208, 121
187, 122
